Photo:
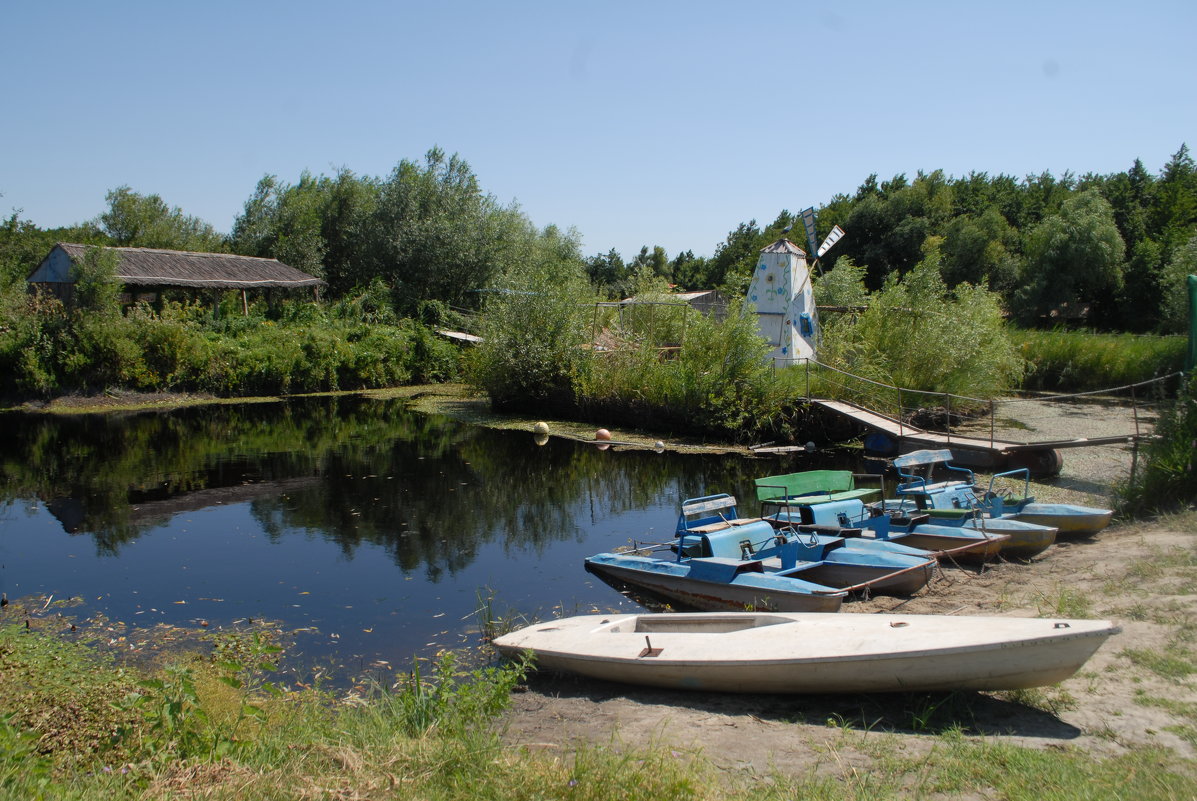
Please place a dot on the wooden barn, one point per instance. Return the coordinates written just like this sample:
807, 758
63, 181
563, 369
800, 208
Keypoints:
146, 273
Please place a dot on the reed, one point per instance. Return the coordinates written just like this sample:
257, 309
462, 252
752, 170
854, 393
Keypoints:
1078, 361
1166, 479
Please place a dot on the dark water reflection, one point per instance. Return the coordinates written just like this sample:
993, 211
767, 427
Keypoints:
370, 527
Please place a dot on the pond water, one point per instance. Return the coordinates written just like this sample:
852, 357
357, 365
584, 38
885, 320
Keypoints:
370, 530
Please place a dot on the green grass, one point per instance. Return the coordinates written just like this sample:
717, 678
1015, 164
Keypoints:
1175, 662
959, 766
432, 736
1066, 602
1076, 361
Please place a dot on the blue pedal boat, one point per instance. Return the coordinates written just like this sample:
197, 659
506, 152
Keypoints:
720, 561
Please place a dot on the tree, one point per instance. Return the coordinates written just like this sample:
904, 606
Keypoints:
736, 255
1074, 257
1142, 291
608, 273
1174, 302
319, 225
1174, 211
690, 272
97, 292
145, 221
435, 234
657, 260
979, 250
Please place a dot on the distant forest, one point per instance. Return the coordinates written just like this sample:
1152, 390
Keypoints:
1103, 251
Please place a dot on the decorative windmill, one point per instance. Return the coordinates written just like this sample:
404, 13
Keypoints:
781, 291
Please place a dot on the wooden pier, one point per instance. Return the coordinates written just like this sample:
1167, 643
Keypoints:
1043, 458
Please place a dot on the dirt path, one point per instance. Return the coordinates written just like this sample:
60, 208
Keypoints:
1141, 576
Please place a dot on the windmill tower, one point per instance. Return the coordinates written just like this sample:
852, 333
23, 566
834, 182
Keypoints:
785, 303
781, 291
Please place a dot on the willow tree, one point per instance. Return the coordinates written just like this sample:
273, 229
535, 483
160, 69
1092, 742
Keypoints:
1073, 258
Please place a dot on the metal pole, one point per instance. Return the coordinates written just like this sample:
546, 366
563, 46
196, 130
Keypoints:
901, 433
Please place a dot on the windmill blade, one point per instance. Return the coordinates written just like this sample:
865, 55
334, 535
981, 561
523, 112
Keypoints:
808, 222
836, 234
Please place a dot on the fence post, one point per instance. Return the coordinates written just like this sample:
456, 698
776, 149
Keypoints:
1135, 411
948, 396
901, 433
992, 419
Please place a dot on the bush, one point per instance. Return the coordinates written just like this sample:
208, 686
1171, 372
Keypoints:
1166, 478
47, 349
918, 334
534, 332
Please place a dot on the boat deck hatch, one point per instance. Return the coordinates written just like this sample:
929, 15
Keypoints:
695, 624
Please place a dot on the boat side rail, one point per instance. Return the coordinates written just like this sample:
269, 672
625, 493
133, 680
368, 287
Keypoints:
1026, 475
997, 499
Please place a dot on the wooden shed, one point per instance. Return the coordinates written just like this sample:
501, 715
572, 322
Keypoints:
146, 272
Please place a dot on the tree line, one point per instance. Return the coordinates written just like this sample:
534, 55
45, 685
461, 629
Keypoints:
1111, 250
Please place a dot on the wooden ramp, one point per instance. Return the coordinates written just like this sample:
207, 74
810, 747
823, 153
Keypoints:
1042, 457
903, 432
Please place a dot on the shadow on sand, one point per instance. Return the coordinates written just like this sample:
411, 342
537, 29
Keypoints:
966, 711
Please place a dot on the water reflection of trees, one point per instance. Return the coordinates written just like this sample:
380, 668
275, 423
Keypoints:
428, 491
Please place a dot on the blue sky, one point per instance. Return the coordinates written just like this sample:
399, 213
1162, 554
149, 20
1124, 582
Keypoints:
637, 123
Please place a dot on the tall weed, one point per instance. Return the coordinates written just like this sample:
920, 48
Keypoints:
918, 334
1078, 361
1166, 477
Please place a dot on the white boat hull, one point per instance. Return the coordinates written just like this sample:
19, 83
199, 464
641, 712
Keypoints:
751, 652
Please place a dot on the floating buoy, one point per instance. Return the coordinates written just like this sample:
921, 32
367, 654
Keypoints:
659, 446
540, 428
602, 433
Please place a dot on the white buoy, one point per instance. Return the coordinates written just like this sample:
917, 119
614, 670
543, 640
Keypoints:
540, 428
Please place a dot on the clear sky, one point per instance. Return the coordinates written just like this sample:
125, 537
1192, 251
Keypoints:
637, 123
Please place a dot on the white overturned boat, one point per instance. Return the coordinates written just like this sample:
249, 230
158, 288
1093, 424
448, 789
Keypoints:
778, 652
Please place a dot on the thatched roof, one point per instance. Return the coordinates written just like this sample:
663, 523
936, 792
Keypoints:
151, 267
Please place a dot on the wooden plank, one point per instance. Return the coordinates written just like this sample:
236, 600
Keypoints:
708, 506
1081, 442
918, 458
460, 336
907, 433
